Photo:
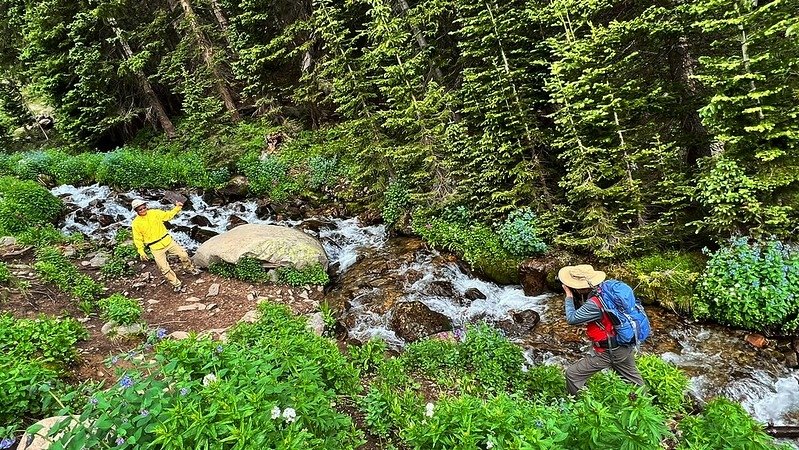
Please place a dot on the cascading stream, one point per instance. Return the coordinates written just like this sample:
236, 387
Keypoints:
377, 273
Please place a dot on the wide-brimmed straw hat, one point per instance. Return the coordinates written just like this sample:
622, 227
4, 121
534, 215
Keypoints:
581, 276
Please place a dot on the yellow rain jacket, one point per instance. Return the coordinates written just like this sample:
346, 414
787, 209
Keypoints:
149, 229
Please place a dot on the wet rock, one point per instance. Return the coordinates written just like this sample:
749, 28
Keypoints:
520, 323
201, 234
442, 289
264, 210
414, 320
474, 294
105, 220
757, 340
173, 198
235, 221
536, 275
795, 345
314, 225
791, 359
201, 221
236, 188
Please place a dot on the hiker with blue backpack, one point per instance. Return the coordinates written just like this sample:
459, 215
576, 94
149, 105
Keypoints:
615, 322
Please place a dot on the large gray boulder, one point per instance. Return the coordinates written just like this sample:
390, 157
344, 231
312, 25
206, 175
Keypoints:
274, 245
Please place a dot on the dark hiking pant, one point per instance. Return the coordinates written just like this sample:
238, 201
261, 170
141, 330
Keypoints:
620, 359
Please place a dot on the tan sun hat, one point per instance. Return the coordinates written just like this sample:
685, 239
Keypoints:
582, 276
136, 203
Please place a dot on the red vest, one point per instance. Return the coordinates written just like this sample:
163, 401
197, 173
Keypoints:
596, 332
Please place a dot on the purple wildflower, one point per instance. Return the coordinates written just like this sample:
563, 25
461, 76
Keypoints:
93, 400
184, 391
219, 349
120, 440
144, 413
7, 442
160, 333
125, 382
114, 360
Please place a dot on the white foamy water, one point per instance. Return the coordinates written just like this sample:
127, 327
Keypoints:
343, 241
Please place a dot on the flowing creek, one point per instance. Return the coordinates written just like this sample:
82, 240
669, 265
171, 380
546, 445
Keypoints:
377, 275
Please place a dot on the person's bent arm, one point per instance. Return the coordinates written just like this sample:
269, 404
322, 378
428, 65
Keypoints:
588, 312
168, 215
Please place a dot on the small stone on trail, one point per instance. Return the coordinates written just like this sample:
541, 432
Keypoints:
152, 302
213, 290
178, 335
199, 280
192, 307
251, 317
210, 306
192, 300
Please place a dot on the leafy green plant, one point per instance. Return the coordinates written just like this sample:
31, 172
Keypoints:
323, 171
25, 204
476, 243
5, 273
311, 275
521, 235
120, 309
268, 176
47, 339
668, 278
724, 425
495, 362
46, 235
666, 383
25, 386
395, 202
367, 357
55, 268
751, 285
273, 382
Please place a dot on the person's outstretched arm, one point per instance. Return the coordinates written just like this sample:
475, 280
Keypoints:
588, 312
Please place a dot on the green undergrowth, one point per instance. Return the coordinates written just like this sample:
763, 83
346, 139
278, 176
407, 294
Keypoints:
252, 270
668, 278
275, 384
34, 356
53, 267
25, 204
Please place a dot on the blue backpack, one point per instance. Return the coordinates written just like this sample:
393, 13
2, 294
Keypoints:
625, 311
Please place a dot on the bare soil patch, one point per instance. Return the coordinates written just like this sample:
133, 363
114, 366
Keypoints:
160, 304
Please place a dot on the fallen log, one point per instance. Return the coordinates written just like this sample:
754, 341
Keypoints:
783, 431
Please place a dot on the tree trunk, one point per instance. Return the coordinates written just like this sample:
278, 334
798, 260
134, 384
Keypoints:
144, 84
208, 57
683, 66
422, 42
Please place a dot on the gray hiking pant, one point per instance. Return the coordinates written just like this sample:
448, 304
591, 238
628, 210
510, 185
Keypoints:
620, 359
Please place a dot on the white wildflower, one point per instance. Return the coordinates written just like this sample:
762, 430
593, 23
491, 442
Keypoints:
428, 410
275, 412
290, 415
209, 379
489, 445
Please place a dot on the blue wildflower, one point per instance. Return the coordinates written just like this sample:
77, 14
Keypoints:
160, 333
93, 401
114, 360
184, 391
126, 382
144, 413
7, 442
219, 349
120, 440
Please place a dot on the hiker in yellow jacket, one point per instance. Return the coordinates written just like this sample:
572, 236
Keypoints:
149, 230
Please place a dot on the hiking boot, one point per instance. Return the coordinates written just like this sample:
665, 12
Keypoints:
179, 288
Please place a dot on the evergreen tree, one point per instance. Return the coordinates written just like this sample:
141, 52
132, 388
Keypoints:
752, 69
